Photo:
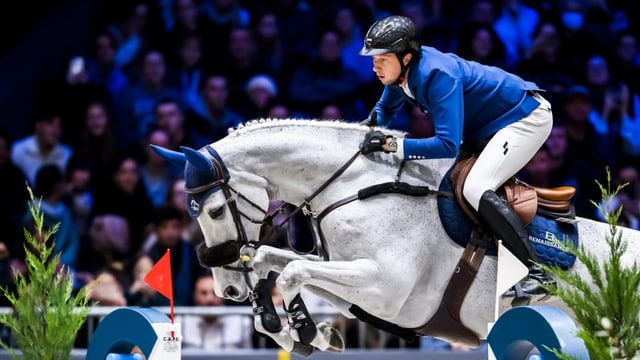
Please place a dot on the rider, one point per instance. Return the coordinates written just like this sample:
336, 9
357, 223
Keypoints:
470, 103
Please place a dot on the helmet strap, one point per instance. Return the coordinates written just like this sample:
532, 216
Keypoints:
403, 69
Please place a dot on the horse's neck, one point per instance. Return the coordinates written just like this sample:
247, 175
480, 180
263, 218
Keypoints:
296, 158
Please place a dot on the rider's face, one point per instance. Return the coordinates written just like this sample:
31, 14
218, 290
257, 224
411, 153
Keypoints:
387, 67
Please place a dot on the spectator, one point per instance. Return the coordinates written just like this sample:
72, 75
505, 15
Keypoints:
177, 197
136, 107
331, 112
275, 54
214, 115
43, 147
613, 117
157, 173
543, 63
13, 193
97, 144
279, 111
127, 28
168, 228
139, 293
171, 118
121, 212
351, 38
241, 64
480, 43
187, 22
570, 170
79, 196
211, 332
324, 80
292, 16
101, 67
626, 59
224, 15
73, 95
578, 43
514, 26
263, 93
482, 12
187, 73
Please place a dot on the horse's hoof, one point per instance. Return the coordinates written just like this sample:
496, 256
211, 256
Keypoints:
332, 336
302, 349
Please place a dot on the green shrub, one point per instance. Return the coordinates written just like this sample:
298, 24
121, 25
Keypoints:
607, 318
47, 314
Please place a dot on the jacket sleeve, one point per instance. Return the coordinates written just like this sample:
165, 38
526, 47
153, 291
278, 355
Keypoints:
389, 104
444, 97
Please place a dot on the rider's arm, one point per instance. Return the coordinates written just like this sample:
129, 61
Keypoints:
444, 99
389, 104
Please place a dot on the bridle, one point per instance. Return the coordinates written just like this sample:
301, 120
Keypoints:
242, 248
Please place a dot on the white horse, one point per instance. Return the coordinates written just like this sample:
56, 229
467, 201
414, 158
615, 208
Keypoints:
388, 254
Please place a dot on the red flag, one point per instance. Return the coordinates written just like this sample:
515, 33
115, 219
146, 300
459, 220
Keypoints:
159, 278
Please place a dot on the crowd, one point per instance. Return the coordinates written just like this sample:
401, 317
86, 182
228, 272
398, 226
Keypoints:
182, 72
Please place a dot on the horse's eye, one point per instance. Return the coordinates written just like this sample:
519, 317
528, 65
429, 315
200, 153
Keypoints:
216, 213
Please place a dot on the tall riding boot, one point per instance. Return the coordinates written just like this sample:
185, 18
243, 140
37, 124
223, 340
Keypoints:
499, 218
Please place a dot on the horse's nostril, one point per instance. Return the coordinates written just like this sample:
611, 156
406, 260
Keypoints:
230, 292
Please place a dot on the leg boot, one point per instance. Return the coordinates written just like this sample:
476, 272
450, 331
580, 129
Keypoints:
505, 224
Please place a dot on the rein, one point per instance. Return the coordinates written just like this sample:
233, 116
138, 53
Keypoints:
242, 249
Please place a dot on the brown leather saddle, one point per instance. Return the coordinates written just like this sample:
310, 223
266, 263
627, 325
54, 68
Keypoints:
526, 200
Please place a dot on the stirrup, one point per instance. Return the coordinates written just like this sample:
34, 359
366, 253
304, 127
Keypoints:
531, 286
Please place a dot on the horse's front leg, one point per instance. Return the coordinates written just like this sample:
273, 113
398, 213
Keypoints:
352, 281
266, 320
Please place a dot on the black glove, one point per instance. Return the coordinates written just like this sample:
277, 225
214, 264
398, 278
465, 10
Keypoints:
373, 141
371, 121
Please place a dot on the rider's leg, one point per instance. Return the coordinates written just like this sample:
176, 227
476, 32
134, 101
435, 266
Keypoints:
506, 153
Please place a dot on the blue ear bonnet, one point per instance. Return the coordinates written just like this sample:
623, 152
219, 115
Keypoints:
203, 177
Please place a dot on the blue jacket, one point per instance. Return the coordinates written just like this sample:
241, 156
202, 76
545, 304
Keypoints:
466, 100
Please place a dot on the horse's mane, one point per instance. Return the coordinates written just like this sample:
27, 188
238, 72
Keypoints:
270, 122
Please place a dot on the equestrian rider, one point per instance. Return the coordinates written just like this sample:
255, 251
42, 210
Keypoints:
470, 103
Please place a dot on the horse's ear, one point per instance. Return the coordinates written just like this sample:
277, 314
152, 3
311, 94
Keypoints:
197, 159
171, 156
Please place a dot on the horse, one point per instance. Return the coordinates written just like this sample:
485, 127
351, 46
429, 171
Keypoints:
385, 257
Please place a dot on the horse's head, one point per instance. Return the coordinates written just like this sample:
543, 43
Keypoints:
230, 217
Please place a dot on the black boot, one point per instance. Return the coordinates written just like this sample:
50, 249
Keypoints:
505, 224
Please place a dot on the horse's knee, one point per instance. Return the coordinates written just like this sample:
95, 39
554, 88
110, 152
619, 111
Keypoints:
293, 276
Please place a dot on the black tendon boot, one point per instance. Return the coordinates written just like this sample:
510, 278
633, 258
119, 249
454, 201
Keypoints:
505, 224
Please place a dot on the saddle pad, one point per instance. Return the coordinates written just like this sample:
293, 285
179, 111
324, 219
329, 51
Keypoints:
543, 233
455, 222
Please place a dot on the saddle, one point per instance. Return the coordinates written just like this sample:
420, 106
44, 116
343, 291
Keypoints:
525, 199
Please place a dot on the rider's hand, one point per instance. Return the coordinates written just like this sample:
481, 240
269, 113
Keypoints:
373, 141
371, 121
366, 122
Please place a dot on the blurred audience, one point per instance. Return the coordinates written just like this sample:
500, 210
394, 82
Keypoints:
182, 72
212, 332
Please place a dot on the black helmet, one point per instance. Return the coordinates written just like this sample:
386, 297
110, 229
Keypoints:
394, 34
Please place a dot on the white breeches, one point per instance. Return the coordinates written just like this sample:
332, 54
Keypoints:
508, 151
